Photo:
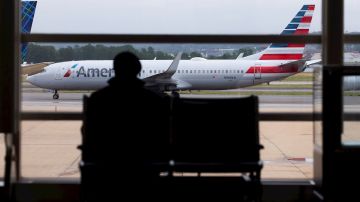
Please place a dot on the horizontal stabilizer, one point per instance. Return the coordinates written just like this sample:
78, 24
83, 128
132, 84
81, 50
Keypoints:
312, 62
31, 69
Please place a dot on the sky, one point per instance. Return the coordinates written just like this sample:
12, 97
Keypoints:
178, 16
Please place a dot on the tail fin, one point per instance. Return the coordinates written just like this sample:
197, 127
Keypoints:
27, 16
299, 25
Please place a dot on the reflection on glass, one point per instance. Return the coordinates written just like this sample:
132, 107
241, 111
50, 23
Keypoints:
318, 106
351, 100
352, 54
351, 136
49, 149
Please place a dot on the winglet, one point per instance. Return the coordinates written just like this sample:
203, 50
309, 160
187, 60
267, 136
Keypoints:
173, 67
240, 56
169, 72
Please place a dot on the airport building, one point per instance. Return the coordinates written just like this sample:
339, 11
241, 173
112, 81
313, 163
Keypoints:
310, 138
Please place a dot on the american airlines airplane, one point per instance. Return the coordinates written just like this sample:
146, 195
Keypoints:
276, 62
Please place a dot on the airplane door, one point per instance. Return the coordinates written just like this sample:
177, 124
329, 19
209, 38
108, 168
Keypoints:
257, 71
58, 75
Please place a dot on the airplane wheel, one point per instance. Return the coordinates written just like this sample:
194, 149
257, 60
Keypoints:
56, 96
175, 94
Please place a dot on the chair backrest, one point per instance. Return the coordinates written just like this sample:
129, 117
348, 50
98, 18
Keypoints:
216, 130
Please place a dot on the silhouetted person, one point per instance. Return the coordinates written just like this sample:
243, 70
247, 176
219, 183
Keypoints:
125, 128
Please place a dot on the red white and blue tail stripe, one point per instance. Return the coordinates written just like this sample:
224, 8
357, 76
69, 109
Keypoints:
299, 25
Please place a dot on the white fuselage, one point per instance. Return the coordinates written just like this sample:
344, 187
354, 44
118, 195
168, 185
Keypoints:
190, 74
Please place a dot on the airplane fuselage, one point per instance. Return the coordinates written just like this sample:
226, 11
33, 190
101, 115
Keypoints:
190, 74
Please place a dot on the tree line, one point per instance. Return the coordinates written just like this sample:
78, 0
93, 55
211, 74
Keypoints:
47, 53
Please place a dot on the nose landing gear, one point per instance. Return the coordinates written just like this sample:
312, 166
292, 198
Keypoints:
175, 94
56, 95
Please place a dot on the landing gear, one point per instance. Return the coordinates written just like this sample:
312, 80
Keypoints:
56, 95
175, 94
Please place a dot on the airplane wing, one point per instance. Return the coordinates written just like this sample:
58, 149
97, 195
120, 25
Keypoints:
34, 68
164, 80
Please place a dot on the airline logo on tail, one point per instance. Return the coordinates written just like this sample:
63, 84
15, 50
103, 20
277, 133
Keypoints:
299, 25
27, 17
286, 53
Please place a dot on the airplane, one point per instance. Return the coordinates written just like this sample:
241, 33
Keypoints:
277, 61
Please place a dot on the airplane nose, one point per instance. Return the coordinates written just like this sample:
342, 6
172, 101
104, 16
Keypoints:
32, 80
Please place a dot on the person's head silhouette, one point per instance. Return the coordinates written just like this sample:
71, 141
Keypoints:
126, 66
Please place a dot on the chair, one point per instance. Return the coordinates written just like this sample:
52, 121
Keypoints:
217, 136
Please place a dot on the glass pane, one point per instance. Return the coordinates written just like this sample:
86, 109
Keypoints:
351, 99
351, 136
351, 12
49, 149
352, 54
288, 87
280, 89
168, 17
351, 87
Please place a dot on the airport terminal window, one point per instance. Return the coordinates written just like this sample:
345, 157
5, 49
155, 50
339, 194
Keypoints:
273, 163
278, 154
